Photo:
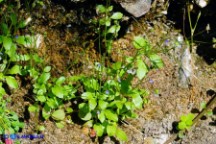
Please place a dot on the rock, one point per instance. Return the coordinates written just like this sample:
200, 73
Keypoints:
136, 7
186, 69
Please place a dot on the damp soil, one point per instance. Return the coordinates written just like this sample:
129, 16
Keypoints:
70, 47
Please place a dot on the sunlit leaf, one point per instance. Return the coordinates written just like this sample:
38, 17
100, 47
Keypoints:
111, 115
101, 116
2, 90
121, 135
92, 104
117, 15
111, 130
137, 100
60, 80
99, 129
7, 43
102, 104
114, 29
156, 60
41, 98
58, 91
182, 126
11, 81
47, 69
142, 69
60, 124
139, 42
87, 95
58, 114
16, 69
33, 108
43, 78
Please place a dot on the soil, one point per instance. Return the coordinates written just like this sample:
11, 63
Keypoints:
69, 47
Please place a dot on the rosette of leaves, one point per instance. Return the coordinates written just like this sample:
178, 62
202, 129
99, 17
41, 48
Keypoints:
106, 103
51, 95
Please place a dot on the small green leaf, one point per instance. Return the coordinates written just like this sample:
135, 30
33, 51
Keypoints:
142, 69
69, 110
21, 40
121, 135
33, 108
111, 130
137, 100
89, 123
60, 124
114, 29
58, 91
87, 95
139, 42
117, 65
189, 122
117, 16
44, 77
41, 98
58, 114
84, 112
47, 69
11, 81
100, 9
46, 112
182, 126
2, 90
7, 43
156, 60
16, 69
110, 8
101, 116
92, 104
184, 118
102, 104
99, 129
111, 115
60, 80
87, 117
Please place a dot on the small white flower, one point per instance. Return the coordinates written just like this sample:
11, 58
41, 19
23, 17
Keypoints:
131, 71
27, 21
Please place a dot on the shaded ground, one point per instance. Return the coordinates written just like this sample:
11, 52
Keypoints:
67, 47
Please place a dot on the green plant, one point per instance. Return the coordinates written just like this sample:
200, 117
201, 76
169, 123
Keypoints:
185, 123
9, 121
105, 103
10, 67
107, 25
110, 97
51, 94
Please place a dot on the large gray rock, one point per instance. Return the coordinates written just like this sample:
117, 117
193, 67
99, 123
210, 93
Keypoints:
136, 7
